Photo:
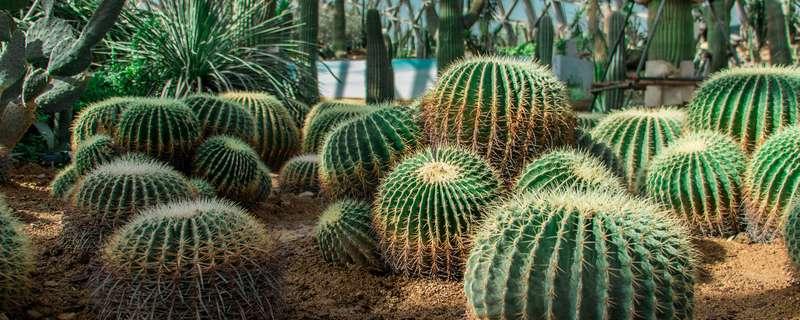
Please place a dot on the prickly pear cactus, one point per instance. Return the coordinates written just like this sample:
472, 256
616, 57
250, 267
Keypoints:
771, 180
344, 234
636, 135
232, 167
195, 259
505, 109
63, 185
218, 116
577, 255
699, 177
99, 118
567, 169
300, 174
358, 153
94, 151
748, 104
16, 259
426, 208
323, 118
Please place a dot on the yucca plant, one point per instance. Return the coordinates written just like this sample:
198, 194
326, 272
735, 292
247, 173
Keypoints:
16, 259
96, 150
233, 168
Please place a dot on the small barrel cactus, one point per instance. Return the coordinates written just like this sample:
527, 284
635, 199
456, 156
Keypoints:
771, 182
99, 118
791, 234
220, 116
636, 135
344, 234
198, 259
16, 259
323, 118
699, 178
358, 153
232, 167
300, 174
749, 104
202, 189
161, 128
567, 169
580, 255
298, 110
427, 207
63, 184
94, 151
505, 109
673, 40
113, 192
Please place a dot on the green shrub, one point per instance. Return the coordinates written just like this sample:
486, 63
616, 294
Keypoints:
323, 118
344, 234
300, 174
567, 169
232, 167
92, 152
219, 116
63, 185
16, 259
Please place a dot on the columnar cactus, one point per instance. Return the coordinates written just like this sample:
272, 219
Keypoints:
579, 255
748, 104
232, 167
673, 40
567, 169
94, 151
771, 182
636, 135
300, 174
99, 118
16, 259
339, 29
699, 177
323, 118
718, 23
345, 237
162, 128
113, 192
545, 38
428, 205
615, 98
453, 25
380, 76
63, 185
780, 48
791, 234
309, 37
220, 116
202, 189
277, 138
505, 109
358, 153
199, 259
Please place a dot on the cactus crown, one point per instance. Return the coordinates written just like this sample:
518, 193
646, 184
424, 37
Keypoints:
220, 116
16, 258
344, 234
570, 169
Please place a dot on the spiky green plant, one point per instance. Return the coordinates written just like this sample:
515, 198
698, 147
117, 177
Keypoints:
589, 120
380, 76
323, 118
232, 167
358, 153
505, 109
300, 174
94, 151
580, 255
615, 98
113, 192
220, 116
298, 110
699, 177
426, 208
344, 234
277, 138
599, 150
545, 37
99, 118
636, 135
567, 169
16, 259
63, 185
749, 104
199, 259
453, 27
202, 189
673, 40
162, 128
791, 234
771, 182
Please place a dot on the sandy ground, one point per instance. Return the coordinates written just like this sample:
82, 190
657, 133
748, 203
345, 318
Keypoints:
736, 280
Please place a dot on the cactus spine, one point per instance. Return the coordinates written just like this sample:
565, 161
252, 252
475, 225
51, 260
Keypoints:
615, 98
505, 109
673, 40
748, 104
576, 255
780, 48
380, 76
699, 177
309, 36
218, 116
16, 259
300, 174
636, 135
231, 166
344, 234
545, 35
567, 169
96, 150
428, 205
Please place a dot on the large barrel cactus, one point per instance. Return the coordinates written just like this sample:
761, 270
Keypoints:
567, 169
358, 153
220, 116
427, 207
636, 135
200, 259
791, 234
599, 150
699, 178
16, 259
505, 109
673, 40
277, 138
5, 164
323, 118
577, 255
233, 168
344, 234
162, 128
94, 151
749, 104
300, 174
202, 189
99, 118
771, 182
64, 182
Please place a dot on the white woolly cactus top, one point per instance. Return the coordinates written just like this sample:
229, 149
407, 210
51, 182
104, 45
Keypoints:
760, 70
247, 95
134, 165
699, 142
641, 112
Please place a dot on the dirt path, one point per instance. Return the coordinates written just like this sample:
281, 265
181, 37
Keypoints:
736, 281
